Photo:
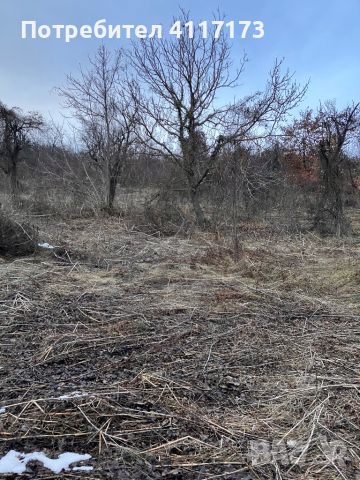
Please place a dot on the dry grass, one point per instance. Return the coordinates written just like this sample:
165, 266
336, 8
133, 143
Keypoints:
181, 356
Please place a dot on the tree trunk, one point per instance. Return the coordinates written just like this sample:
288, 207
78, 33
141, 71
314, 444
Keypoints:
14, 184
111, 192
191, 158
237, 247
330, 217
199, 214
112, 177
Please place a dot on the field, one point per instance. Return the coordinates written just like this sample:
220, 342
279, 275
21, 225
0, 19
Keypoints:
165, 358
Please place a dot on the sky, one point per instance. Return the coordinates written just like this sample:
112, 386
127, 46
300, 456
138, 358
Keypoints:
318, 39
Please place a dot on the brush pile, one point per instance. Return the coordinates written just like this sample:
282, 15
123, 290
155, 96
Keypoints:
16, 239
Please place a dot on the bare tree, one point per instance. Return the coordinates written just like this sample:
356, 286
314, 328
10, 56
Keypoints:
16, 136
337, 128
180, 80
106, 113
65, 168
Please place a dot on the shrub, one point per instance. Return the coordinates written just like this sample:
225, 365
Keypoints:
16, 239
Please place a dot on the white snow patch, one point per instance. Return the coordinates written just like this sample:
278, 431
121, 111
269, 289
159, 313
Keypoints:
16, 462
73, 395
84, 468
2, 410
46, 246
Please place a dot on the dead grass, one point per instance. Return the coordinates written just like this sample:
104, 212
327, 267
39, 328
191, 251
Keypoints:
183, 357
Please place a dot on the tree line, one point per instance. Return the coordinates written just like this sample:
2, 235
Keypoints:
161, 100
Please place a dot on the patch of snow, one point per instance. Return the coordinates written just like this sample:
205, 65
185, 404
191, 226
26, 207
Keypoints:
292, 443
73, 395
16, 462
84, 468
12, 462
46, 246
2, 410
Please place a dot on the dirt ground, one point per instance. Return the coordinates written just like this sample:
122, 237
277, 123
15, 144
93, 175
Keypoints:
164, 358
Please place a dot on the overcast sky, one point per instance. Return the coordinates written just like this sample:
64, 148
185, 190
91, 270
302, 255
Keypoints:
319, 39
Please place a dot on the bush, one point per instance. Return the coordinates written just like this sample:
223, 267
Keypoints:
16, 239
165, 219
